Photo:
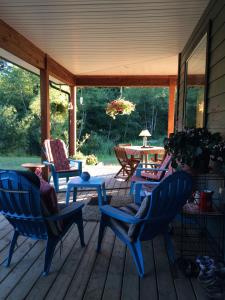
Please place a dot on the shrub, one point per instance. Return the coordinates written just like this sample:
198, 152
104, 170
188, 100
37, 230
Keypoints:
97, 144
79, 156
91, 160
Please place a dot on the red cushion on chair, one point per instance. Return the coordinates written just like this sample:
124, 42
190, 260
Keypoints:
50, 206
48, 196
56, 152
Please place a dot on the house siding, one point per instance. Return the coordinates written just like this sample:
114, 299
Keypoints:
215, 113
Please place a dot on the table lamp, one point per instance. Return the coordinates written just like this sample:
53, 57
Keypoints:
145, 133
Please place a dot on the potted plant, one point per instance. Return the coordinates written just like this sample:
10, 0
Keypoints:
217, 157
119, 106
192, 147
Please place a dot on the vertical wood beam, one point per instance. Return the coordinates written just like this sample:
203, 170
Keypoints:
45, 112
171, 108
72, 121
45, 105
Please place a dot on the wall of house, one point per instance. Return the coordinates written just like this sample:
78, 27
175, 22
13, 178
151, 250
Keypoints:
214, 13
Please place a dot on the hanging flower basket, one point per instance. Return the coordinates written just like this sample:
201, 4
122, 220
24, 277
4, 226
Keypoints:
119, 106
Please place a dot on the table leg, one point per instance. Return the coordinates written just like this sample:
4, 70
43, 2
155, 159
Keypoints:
74, 194
68, 195
100, 198
104, 193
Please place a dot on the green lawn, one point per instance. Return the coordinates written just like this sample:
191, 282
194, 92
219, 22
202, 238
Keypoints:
14, 162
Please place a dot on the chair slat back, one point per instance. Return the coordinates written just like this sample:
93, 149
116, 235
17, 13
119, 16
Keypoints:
167, 200
20, 204
56, 152
121, 155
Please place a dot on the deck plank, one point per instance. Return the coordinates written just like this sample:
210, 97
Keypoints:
96, 283
80, 280
5, 243
130, 286
20, 253
64, 277
199, 291
22, 267
184, 289
165, 282
112, 290
183, 285
35, 272
148, 283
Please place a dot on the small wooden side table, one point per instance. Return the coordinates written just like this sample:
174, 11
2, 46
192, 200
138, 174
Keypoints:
32, 166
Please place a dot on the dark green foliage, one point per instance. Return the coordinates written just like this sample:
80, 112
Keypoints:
20, 114
151, 112
191, 147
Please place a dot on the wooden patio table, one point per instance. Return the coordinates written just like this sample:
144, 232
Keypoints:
144, 152
33, 166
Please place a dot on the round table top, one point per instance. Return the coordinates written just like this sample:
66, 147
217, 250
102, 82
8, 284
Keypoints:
32, 165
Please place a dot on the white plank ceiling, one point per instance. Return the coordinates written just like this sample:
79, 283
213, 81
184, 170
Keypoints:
107, 37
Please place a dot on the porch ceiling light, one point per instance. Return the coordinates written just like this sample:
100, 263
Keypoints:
145, 133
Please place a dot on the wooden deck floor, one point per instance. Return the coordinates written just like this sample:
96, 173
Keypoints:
81, 273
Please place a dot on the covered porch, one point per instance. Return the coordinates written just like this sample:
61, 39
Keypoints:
81, 273
32, 36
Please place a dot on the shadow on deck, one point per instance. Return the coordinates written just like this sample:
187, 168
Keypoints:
81, 273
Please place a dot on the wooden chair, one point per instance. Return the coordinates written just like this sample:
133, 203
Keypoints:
60, 165
22, 205
127, 145
128, 165
133, 224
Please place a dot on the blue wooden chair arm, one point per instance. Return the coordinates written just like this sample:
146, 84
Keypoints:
140, 183
139, 170
66, 212
78, 162
119, 215
149, 164
47, 163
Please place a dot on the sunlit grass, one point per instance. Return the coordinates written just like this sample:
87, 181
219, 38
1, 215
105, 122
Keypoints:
15, 162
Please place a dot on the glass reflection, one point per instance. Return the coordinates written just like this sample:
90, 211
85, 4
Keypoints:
195, 86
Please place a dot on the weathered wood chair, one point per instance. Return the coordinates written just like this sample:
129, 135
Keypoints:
133, 224
60, 165
128, 165
24, 208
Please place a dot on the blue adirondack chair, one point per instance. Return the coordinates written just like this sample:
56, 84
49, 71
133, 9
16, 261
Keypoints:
133, 224
20, 203
57, 160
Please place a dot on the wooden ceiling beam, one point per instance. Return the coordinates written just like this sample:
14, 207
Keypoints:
15, 43
18, 45
115, 81
59, 72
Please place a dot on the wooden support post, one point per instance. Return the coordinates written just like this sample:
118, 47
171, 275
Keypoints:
72, 121
45, 111
171, 108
